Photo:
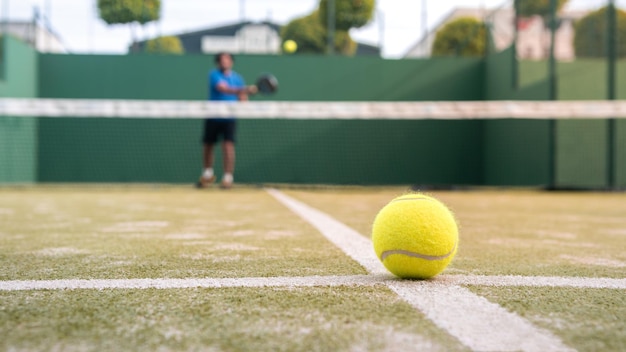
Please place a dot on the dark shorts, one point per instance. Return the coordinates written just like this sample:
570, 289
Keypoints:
214, 129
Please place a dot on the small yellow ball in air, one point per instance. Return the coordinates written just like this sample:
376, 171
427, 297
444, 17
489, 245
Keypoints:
290, 46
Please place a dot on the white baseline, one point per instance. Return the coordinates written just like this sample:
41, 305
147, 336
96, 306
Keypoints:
306, 281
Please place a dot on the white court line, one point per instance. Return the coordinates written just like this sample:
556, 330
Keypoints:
99, 284
349, 241
476, 322
535, 281
307, 281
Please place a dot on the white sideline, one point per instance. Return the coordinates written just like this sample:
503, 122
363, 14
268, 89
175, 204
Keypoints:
476, 322
308, 281
535, 281
349, 241
99, 284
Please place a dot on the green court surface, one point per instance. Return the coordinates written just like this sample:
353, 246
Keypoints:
55, 241
511, 232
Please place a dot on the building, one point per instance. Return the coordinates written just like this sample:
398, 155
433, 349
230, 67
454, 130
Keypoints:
533, 41
33, 33
241, 38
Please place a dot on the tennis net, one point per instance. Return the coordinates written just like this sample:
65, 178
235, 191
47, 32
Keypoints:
312, 110
453, 143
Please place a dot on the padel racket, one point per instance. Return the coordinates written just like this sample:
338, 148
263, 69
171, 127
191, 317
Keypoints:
267, 83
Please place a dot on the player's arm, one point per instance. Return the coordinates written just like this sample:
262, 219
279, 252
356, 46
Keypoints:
223, 87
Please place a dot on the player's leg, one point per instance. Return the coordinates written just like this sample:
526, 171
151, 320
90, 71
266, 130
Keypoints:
208, 158
228, 149
211, 130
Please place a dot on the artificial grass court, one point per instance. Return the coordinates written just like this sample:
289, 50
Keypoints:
56, 234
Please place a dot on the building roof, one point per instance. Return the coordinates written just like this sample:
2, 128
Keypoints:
41, 37
192, 40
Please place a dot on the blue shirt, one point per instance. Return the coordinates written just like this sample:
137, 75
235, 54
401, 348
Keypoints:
232, 79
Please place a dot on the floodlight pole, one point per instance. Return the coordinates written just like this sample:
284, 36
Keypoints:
611, 91
330, 9
515, 70
424, 19
552, 86
552, 60
5, 16
47, 25
381, 30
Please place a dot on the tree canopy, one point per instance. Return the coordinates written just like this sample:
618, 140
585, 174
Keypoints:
129, 11
310, 32
528, 8
307, 32
164, 45
591, 34
348, 13
465, 36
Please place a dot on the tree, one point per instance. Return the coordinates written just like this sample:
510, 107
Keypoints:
307, 32
344, 44
164, 45
348, 13
129, 11
591, 34
465, 36
310, 35
529, 8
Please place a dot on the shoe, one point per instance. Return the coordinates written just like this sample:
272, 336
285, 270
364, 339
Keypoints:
205, 182
226, 184
227, 181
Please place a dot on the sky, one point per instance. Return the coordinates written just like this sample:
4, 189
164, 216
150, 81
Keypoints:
397, 24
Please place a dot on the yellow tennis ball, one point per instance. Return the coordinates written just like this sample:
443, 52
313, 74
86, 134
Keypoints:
415, 236
290, 46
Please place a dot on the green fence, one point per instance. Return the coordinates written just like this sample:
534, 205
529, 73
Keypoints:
18, 136
338, 152
307, 78
564, 154
570, 153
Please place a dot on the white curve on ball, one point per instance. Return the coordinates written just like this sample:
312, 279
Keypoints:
385, 254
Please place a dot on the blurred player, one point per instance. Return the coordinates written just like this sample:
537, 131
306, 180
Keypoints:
224, 85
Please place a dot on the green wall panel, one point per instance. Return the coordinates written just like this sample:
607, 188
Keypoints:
502, 83
125, 150
18, 135
516, 152
330, 151
301, 77
276, 151
581, 154
494, 152
620, 154
361, 152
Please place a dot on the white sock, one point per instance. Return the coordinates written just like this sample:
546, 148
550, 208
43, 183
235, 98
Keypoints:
228, 178
208, 172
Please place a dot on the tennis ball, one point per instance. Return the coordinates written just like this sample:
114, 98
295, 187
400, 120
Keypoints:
415, 236
290, 46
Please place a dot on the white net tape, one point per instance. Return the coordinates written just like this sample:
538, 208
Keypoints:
600, 109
